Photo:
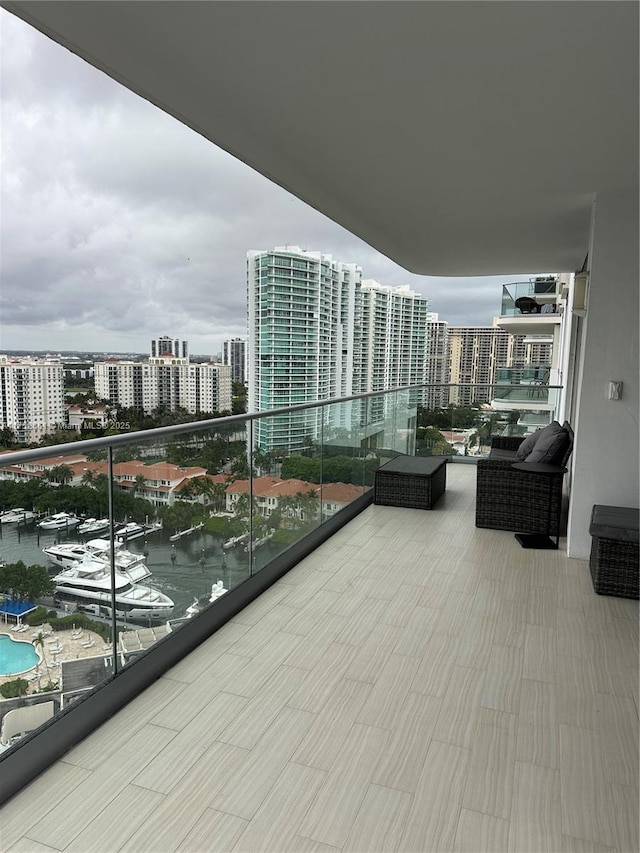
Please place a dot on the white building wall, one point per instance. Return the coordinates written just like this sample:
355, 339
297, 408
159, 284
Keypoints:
167, 382
31, 397
209, 388
605, 461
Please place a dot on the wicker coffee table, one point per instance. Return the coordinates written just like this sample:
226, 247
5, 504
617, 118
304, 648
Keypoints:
411, 481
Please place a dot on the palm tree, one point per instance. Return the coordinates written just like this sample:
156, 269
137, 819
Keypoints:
140, 483
62, 474
38, 640
219, 495
87, 477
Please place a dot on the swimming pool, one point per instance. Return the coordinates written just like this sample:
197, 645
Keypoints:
16, 656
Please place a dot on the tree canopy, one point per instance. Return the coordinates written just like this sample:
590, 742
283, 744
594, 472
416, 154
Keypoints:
335, 469
26, 583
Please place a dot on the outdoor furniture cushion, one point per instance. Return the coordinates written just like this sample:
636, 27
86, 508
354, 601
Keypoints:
550, 446
615, 522
527, 445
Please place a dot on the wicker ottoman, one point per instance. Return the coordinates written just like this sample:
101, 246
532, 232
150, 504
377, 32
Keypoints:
411, 481
614, 550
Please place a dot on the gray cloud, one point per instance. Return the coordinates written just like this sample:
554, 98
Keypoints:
120, 224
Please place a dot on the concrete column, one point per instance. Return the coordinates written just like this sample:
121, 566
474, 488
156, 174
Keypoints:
605, 457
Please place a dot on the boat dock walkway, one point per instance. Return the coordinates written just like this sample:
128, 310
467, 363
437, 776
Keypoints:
189, 530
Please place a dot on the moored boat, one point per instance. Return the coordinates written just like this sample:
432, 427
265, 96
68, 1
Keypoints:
93, 526
59, 521
131, 530
87, 587
69, 554
199, 604
18, 514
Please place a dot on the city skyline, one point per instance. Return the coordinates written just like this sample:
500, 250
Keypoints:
118, 220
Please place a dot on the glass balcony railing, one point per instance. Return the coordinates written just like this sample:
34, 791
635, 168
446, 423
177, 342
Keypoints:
536, 296
138, 539
532, 395
529, 374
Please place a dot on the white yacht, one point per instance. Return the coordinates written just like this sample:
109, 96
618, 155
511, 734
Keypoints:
87, 587
18, 514
67, 555
93, 526
199, 604
59, 521
129, 531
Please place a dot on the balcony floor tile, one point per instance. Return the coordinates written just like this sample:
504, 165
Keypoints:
414, 684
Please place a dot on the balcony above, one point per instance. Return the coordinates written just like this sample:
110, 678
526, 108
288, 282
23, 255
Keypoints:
491, 201
529, 324
526, 388
530, 307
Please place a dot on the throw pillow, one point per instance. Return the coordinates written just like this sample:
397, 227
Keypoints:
550, 446
527, 445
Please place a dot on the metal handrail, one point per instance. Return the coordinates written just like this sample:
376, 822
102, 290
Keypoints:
17, 457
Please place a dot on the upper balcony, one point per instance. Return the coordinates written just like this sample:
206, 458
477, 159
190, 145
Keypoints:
530, 307
529, 388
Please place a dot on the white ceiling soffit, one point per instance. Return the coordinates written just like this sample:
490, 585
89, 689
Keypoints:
457, 138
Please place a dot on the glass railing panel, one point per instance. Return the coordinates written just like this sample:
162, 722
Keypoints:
389, 421
51, 509
287, 465
348, 463
197, 485
530, 374
534, 294
523, 393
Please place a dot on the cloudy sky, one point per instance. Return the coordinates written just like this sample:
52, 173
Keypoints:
119, 224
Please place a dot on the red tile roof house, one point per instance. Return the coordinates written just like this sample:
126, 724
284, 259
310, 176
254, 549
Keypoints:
162, 481
269, 491
35, 470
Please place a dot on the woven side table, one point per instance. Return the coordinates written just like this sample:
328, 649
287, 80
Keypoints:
614, 550
411, 481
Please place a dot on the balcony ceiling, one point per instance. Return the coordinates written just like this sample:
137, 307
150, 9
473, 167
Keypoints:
456, 138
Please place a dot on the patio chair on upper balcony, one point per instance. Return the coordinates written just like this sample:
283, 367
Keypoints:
527, 305
511, 499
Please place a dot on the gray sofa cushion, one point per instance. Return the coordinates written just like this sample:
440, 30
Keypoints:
527, 445
551, 445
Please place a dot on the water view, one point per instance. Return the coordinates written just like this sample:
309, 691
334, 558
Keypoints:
183, 570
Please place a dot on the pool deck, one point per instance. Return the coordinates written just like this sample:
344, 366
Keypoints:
72, 649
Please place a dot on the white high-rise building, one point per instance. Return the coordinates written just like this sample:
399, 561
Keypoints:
394, 325
168, 380
317, 331
234, 353
31, 397
301, 314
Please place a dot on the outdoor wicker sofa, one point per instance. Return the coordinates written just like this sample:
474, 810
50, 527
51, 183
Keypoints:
517, 500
